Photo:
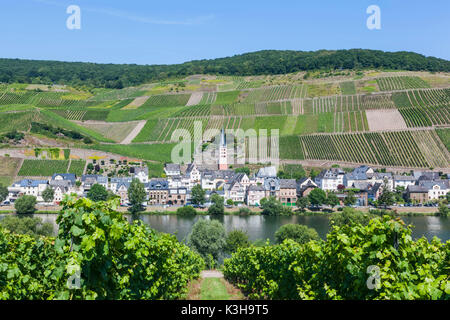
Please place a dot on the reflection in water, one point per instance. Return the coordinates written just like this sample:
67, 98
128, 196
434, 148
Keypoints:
264, 227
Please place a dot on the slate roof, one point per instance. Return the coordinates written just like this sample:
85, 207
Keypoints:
256, 188
218, 174
66, 176
94, 178
427, 175
288, 184
190, 167
398, 177
374, 189
272, 184
138, 170
332, 173
60, 183
359, 173
158, 184
417, 189
125, 184
443, 184
31, 183
172, 167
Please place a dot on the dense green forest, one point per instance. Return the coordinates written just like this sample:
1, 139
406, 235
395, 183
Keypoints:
256, 63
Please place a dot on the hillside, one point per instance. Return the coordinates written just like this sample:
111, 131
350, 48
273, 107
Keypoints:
268, 62
397, 120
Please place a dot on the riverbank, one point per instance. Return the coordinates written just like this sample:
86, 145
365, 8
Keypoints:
161, 211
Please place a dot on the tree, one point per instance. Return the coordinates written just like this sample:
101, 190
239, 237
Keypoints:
186, 211
332, 200
443, 211
236, 239
350, 199
398, 194
387, 197
48, 194
98, 193
136, 196
207, 238
32, 226
317, 197
297, 232
244, 211
198, 195
3, 193
230, 202
217, 206
302, 203
314, 173
90, 166
245, 170
271, 207
25, 204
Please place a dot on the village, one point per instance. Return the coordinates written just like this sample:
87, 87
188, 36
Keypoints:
361, 187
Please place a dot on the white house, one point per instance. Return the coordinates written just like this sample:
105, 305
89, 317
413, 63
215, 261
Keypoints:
193, 173
329, 180
208, 180
235, 191
141, 173
62, 187
404, 181
115, 183
172, 169
254, 195
28, 187
88, 180
436, 188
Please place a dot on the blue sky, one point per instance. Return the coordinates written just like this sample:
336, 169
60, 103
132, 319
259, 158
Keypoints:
165, 32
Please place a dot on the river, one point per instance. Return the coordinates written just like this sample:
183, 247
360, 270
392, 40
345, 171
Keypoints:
264, 227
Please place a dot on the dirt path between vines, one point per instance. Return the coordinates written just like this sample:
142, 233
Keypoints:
212, 286
134, 132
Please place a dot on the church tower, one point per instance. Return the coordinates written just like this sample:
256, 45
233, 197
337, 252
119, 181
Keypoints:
223, 154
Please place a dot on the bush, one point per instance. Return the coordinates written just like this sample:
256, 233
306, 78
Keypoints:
25, 204
271, 207
217, 208
87, 140
297, 232
207, 238
32, 226
3, 193
236, 239
443, 211
186, 211
98, 193
349, 216
244, 211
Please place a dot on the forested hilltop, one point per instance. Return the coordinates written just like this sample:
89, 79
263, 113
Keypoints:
255, 63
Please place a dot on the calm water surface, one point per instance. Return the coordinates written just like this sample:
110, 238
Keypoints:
262, 227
